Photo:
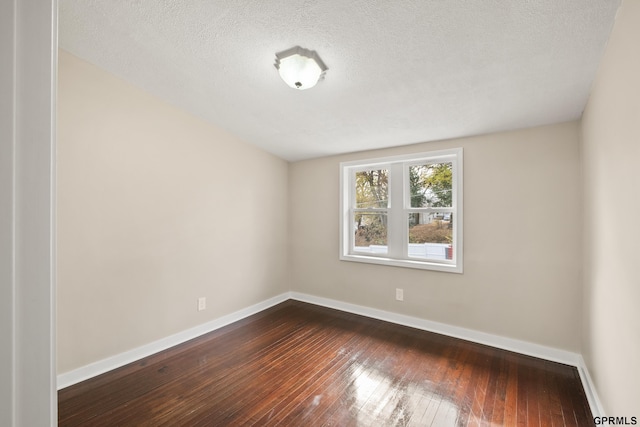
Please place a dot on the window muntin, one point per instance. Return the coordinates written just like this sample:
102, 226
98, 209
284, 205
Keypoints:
404, 211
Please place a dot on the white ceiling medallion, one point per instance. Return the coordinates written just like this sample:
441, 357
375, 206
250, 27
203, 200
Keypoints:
300, 68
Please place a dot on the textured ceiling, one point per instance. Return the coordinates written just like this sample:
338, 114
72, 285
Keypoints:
400, 72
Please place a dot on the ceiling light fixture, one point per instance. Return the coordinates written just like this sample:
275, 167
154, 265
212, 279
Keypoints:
300, 68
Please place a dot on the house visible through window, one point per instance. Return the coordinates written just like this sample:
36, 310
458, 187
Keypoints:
404, 211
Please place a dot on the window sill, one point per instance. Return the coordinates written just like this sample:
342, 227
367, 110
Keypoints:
406, 263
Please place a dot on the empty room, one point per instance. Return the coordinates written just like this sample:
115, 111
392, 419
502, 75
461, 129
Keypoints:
321, 213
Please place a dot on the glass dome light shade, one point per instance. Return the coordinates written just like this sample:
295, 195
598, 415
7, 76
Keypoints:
300, 68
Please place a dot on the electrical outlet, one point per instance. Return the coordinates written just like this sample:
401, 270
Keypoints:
202, 303
399, 294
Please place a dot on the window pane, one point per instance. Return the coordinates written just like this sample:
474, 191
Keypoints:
430, 185
372, 189
431, 235
371, 233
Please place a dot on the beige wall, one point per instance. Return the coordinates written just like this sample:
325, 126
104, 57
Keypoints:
155, 208
522, 224
611, 177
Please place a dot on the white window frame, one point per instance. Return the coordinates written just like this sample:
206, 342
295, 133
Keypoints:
399, 209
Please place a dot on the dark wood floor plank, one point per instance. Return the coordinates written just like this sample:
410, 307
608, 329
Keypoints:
299, 364
320, 392
299, 371
133, 382
511, 395
555, 407
477, 390
426, 416
266, 374
533, 410
392, 398
345, 393
522, 409
491, 391
448, 411
464, 392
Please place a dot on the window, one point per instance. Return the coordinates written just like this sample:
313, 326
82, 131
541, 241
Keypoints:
404, 211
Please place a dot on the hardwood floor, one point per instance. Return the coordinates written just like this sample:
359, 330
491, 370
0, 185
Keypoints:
297, 364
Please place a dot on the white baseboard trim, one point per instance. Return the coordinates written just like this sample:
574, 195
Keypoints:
94, 369
517, 346
590, 390
510, 344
